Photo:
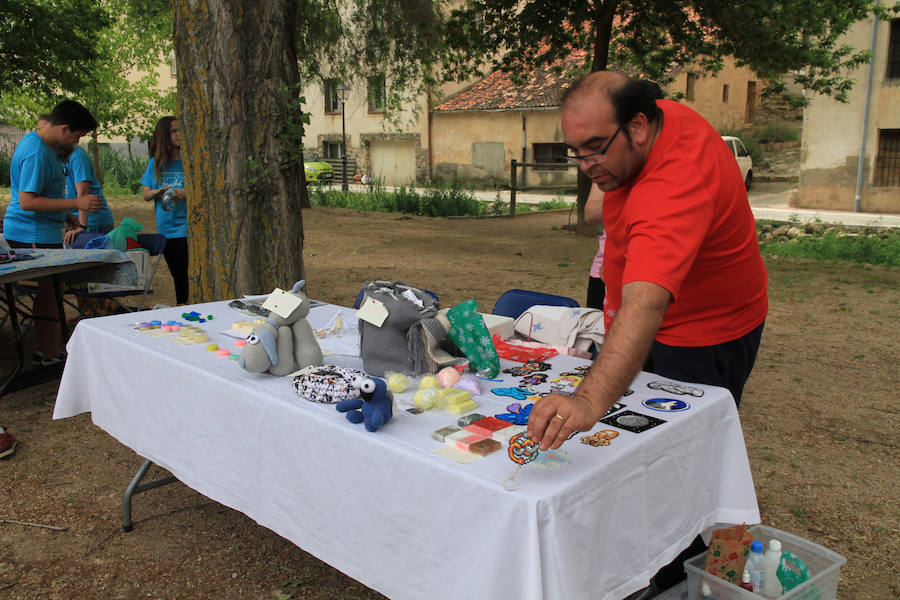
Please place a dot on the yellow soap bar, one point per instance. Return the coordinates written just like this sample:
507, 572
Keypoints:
429, 381
425, 399
458, 409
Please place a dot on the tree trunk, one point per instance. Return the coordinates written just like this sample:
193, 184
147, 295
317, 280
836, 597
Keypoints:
241, 145
604, 12
95, 154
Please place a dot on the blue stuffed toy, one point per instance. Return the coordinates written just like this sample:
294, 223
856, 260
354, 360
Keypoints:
374, 407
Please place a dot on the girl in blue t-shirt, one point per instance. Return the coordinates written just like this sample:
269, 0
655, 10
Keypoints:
164, 172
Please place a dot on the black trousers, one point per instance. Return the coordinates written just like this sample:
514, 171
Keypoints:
595, 293
726, 365
176, 255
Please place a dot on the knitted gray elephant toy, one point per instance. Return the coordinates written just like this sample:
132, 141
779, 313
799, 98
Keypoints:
283, 345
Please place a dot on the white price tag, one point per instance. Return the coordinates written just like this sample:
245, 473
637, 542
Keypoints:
372, 311
282, 303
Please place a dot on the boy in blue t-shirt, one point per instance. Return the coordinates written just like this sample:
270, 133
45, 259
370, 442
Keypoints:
81, 181
38, 207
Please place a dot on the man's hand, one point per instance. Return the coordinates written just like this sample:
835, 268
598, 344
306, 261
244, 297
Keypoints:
72, 230
89, 202
554, 417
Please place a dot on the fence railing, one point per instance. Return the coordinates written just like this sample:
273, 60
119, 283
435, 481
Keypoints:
514, 185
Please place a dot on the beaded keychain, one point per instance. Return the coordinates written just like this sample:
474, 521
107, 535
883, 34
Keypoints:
522, 450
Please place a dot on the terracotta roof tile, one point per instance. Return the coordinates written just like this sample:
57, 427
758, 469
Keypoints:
497, 91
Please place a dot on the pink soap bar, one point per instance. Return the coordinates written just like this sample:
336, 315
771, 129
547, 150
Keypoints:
240, 343
464, 443
224, 352
487, 426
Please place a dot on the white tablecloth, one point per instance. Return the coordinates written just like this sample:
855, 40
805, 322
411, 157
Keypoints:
383, 507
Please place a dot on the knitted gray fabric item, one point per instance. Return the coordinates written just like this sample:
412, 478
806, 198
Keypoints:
391, 347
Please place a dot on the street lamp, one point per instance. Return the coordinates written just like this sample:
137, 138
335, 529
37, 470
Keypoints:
342, 91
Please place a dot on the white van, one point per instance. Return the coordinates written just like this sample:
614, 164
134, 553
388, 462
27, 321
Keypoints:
744, 161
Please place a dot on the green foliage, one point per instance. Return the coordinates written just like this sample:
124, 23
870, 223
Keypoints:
860, 245
776, 131
657, 37
45, 43
4, 169
134, 36
121, 173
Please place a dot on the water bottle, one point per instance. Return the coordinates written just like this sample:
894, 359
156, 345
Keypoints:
756, 564
168, 199
772, 586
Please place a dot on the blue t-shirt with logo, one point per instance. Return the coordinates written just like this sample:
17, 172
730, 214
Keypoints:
35, 167
170, 223
81, 168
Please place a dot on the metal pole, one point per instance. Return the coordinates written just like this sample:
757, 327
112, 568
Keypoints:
344, 186
860, 166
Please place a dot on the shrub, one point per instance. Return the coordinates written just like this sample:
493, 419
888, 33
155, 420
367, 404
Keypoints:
4, 169
120, 172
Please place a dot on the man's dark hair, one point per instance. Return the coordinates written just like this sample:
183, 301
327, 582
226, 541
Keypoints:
628, 99
73, 114
636, 96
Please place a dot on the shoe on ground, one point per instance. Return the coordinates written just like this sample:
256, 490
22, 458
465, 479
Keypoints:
7, 444
47, 362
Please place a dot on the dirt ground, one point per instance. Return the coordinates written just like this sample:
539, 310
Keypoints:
819, 415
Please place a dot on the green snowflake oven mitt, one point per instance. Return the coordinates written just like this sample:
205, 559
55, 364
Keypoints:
471, 335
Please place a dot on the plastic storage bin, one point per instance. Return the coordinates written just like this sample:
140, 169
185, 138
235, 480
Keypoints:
824, 568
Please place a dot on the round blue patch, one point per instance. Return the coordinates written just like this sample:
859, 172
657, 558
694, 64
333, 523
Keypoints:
666, 404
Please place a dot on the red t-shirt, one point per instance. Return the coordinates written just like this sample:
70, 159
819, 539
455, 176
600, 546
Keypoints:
685, 224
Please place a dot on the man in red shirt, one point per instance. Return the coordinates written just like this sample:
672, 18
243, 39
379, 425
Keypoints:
686, 285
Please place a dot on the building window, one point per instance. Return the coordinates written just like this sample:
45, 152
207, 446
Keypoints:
887, 162
377, 93
547, 155
332, 100
725, 94
173, 69
332, 150
690, 92
894, 51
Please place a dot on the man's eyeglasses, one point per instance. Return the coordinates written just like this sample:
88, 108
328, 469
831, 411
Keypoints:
594, 156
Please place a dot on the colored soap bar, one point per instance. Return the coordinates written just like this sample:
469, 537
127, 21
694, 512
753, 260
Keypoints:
458, 409
441, 434
456, 436
464, 443
450, 397
487, 426
485, 446
224, 352
240, 343
212, 347
504, 435
456, 455
468, 419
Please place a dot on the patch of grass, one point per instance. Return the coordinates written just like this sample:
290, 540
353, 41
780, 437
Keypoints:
441, 201
865, 245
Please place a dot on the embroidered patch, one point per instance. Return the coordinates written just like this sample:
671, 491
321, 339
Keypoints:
513, 392
578, 371
517, 415
570, 380
632, 421
601, 438
675, 388
529, 367
534, 379
329, 384
615, 407
666, 404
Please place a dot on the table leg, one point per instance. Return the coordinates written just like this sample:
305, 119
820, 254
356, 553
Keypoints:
134, 488
17, 332
60, 308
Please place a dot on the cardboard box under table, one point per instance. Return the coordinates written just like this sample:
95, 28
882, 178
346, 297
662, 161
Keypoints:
389, 511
